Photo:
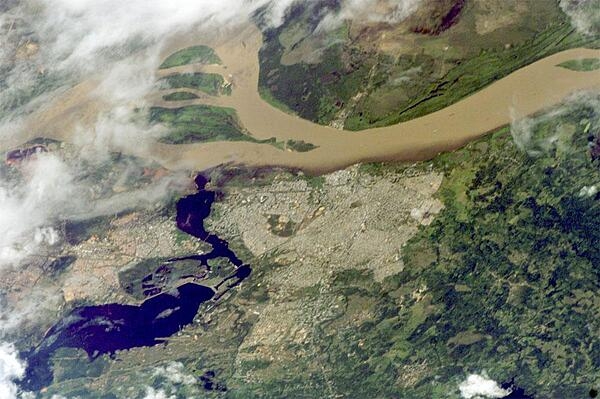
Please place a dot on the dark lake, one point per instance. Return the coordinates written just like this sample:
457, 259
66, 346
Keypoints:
516, 392
105, 329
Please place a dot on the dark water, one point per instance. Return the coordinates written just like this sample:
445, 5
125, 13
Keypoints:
516, 392
191, 212
105, 329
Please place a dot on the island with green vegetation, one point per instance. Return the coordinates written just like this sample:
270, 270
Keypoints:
210, 83
585, 65
191, 55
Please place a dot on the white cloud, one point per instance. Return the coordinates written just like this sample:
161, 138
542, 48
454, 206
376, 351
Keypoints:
391, 11
588, 191
523, 128
11, 369
52, 190
478, 386
41, 304
151, 393
82, 29
175, 373
584, 14
28, 210
79, 31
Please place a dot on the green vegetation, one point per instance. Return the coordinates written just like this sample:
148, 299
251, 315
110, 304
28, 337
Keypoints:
281, 226
79, 231
470, 75
58, 265
398, 86
310, 90
210, 83
191, 55
507, 274
41, 141
41, 83
198, 123
314, 181
154, 275
201, 123
180, 96
585, 65
132, 277
204, 123
300, 146
504, 280
69, 363
268, 97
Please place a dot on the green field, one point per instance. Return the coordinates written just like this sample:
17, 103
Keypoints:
199, 123
204, 123
300, 145
584, 65
509, 273
191, 55
210, 83
180, 96
504, 280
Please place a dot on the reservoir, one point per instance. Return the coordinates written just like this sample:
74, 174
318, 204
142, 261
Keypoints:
105, 329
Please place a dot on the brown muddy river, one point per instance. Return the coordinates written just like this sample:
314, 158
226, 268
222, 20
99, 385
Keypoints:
524, 92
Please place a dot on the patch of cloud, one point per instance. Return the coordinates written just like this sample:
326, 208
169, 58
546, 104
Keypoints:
41, 304
529, 138
406, 76
28, 210
117, 129
588, 191
390, 11
152, 393
46, 45
80, 30
51, 190
119, 44
480, 386
175, 373
584, 14
139, 198
11, 370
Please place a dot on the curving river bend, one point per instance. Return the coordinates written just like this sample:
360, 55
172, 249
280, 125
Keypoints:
105, 329
524, 92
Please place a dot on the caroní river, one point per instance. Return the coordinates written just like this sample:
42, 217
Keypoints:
105, 329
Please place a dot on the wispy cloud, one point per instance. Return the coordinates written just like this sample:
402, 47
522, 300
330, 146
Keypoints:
152, 393
118, 43
11, 369
523, 128
391, 11
48, 46
28, 208
584, 14
175, 373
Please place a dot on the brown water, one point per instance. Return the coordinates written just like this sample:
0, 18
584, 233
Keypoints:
524, 92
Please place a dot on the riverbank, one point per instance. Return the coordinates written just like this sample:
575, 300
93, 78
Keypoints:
524, 92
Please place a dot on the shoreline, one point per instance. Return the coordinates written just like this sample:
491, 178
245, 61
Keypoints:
529, 90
